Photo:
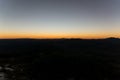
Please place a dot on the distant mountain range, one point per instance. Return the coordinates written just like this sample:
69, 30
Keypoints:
108, 46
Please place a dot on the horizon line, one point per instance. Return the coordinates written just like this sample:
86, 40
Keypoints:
64, 38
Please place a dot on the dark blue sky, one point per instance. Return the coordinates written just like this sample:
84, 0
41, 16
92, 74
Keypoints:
60, 18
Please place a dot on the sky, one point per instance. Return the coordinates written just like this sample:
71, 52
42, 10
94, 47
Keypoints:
59, 18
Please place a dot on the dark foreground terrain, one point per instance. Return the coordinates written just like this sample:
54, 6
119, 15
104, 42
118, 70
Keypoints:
60, 59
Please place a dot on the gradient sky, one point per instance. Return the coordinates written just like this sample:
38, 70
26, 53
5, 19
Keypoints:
59, 18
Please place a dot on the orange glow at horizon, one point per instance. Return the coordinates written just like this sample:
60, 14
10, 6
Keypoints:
50, 36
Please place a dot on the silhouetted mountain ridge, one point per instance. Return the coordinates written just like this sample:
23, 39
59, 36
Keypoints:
60, 46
